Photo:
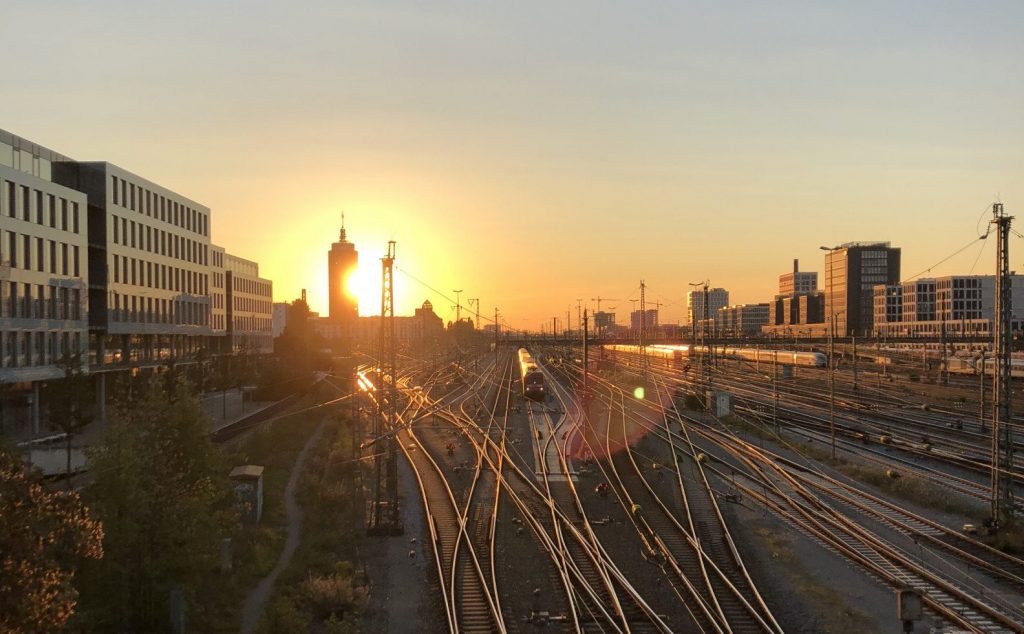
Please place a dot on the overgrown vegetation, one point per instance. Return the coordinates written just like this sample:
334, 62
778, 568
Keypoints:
321, 587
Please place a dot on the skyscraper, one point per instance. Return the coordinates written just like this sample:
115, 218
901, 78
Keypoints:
341, 265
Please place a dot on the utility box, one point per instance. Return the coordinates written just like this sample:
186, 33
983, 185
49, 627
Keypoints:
786, 372
909, 607
247, 481
720, 402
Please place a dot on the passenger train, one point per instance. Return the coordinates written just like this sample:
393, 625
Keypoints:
681, 353
532, 377
972, 365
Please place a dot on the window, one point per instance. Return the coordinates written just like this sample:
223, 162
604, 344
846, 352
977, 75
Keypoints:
64, 215
64, 258
26, 204
39, 255
51, 203
74, 217
26, 242
114, 190
40, 212
11, 198
77, 269
53, 257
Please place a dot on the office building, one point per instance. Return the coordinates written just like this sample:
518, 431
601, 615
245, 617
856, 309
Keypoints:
249, 307
852, 270
953, 305
797, 282
149, 252
342, 261
743, 320
647, 319
717, 298
918, 300
44, 272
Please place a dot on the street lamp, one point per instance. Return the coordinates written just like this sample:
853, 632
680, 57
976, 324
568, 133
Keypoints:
831, 351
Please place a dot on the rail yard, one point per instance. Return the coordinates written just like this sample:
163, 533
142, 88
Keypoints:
609, 498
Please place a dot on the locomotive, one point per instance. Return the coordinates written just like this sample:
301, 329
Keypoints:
532, 377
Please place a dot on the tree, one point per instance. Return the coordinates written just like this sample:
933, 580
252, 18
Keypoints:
43, 535
299, 345
160, 486
70, 402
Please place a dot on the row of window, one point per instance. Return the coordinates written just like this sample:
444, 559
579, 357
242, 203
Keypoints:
253, 287
25, 161
40, 301
138, 272
33, 205
251, 324
141, 236
37, 254
138, 198
156, 310
26, 349
253, 305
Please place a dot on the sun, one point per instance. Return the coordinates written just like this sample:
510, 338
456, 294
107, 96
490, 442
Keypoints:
363, 284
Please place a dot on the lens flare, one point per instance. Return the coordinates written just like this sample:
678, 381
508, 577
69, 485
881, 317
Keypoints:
638, 393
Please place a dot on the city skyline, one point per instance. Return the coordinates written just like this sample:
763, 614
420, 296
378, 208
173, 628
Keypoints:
530, 172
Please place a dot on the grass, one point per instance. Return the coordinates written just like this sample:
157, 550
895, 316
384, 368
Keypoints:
320, 588
256, 548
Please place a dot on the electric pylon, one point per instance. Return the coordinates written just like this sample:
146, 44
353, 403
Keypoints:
1002, 435
385, 518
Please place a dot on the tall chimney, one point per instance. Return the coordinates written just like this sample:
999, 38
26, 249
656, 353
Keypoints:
796, 265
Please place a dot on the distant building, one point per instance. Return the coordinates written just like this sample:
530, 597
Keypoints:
342, 261
422, 328
278, 319
798, 303
852, 270
717, 298
888, 305
797, 282
603, 319
955, 304
649, 319
742, 320
918, 300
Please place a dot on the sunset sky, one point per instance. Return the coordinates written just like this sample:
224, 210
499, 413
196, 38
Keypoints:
535, 153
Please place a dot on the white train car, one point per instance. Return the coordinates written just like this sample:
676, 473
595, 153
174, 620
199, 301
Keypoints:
679, 353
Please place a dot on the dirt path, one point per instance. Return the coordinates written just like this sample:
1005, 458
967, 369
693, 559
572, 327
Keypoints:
252, 609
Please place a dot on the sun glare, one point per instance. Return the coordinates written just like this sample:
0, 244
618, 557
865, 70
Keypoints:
364, 285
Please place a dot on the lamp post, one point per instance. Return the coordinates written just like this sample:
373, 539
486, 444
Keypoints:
831, 352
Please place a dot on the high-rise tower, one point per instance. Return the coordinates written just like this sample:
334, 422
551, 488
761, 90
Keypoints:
342, 260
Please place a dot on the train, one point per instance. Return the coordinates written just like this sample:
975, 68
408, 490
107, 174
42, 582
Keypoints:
681, 353
972, 365
532, 377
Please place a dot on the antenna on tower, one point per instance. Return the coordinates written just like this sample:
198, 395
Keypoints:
342, 235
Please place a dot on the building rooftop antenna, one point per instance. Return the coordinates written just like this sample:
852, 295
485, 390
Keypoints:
342, 234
